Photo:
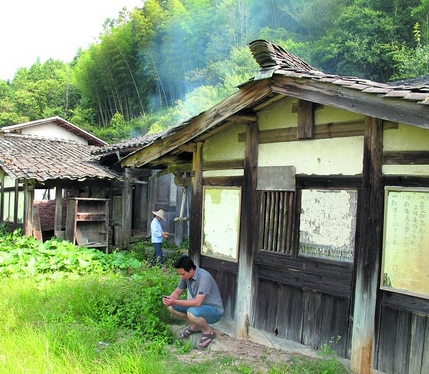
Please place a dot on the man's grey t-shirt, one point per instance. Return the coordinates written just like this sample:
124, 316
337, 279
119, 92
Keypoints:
202, 283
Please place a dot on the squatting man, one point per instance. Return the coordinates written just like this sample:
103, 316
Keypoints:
203, 305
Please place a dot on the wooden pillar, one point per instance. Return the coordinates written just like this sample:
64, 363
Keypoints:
196, 224
126, 208
28, 207
58, 220
249, 229
368, 254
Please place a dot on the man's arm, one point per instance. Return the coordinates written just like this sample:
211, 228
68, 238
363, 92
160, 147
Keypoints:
174, 299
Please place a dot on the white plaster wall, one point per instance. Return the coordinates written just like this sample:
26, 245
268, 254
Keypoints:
225, 145
277, 116
280, 115
338, 156
52, 131
406, 138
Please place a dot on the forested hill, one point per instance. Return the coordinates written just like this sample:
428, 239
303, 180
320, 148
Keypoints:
156, 66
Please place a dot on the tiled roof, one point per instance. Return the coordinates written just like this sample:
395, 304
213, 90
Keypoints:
130, 145
275, 60
32, 157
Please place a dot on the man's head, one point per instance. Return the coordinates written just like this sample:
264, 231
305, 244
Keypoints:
185, 267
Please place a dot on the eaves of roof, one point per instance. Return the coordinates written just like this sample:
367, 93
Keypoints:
32, 157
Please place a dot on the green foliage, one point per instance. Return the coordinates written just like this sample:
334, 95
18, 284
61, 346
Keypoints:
22, 257
156, 66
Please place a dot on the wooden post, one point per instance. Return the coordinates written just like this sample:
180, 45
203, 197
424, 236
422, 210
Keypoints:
249, 230
58, 220
368, 254
126, 209
196, 224
28, 207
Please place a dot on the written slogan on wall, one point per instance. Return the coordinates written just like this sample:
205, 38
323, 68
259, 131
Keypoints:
405, 266
328, 224
221, 222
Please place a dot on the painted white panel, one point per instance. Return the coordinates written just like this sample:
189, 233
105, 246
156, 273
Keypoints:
223, 173
406, 138
225, 145
338, 156
405, 170
52, 131
221, 222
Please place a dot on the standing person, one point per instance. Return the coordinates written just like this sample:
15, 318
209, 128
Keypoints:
203, 305
157, 236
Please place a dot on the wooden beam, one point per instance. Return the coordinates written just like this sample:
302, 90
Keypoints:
323, 131
223, 165
247, 96
368, 249
406, 158
28, 207
249, 238
196, 223
58, 219
368, 104
305, 119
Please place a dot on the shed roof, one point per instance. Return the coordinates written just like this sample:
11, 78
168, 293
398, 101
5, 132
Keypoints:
283, 75
33, 157
91, 139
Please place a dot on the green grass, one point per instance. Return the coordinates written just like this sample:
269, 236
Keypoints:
58, 317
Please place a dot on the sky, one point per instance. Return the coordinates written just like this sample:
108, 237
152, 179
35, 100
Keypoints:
32, 29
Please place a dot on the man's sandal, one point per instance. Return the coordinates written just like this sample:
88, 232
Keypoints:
186, 333
206, 339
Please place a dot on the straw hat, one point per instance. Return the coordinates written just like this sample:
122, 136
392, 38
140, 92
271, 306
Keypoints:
160, 213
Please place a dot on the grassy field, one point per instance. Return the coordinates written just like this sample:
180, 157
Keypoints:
68, 310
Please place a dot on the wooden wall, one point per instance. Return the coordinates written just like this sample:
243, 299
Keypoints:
304, 300
403, 334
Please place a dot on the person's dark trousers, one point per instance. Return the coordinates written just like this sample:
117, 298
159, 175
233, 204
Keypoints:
157, 256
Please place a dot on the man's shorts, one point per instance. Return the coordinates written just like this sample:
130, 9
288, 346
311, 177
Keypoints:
208, 312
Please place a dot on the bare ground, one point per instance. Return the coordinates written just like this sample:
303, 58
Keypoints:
242, 352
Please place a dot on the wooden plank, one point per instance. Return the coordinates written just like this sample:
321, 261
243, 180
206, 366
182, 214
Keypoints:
406, 158
317, 266
312, 319
368, 254
290, 316
249, 229
425, 363
306, 126
267, 303
224, 165
402, 342
28, 207
247, 96
322, 283
418, 329
386, 340
195, 223
400, 111
234, 181
405, 302
58, 220
37, 229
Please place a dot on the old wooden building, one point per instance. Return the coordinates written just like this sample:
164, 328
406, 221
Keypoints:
310, 206
46, 167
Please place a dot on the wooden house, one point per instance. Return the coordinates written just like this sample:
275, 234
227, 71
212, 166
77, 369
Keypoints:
310, 206
150, 190
54, 156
